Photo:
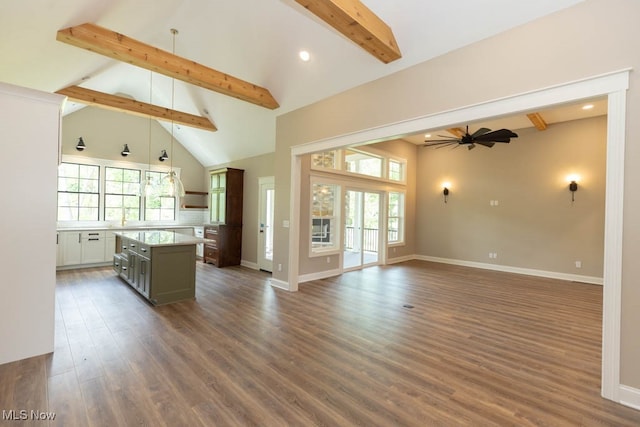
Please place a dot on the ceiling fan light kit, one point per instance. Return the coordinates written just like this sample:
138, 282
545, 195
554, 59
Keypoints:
482, 136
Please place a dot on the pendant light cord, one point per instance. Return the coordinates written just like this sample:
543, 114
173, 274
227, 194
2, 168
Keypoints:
173, 95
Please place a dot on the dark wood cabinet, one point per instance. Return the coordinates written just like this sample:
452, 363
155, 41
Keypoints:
224, 247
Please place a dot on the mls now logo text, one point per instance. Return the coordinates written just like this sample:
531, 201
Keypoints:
23, 414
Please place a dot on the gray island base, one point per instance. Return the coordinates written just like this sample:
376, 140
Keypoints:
160, 265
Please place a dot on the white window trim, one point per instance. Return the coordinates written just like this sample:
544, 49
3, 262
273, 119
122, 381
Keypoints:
337, 247
403, 219
385, 156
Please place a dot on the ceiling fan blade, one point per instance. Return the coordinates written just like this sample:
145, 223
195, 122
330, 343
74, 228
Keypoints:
454, 143
440, 142
500, 135
485, 143
479, 132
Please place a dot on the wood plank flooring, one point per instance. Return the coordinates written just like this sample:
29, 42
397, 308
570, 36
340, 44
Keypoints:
477, 348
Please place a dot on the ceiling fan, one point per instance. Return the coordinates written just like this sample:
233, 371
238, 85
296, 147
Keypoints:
482, 136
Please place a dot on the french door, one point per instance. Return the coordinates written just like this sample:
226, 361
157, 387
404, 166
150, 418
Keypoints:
361, 229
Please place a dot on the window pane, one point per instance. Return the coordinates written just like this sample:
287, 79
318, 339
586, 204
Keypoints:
88, 185
89, 172
75, 193
324, 216
396, 170
113, 174
67, 214
131, 202
67, 199
87, 214
327, 160
168, 202
113, 214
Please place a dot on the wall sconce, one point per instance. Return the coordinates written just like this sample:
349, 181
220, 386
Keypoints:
125, 152
80, 145
163, 156
573, 185
445, 190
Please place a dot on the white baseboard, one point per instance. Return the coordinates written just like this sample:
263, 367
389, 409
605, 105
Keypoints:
319, 275
249, 264
518, 270
280, 284
400, 259
630, 397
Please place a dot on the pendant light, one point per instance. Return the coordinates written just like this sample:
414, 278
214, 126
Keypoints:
171, 183
147, 186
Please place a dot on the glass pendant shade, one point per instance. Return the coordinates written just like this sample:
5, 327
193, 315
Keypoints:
148, 189
172, 186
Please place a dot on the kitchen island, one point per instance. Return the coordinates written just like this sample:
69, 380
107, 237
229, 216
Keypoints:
160, 265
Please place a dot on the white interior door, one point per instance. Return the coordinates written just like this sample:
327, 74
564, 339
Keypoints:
361, 229
265, 227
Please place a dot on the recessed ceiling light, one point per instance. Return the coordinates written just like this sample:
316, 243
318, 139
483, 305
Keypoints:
587, 107
304, 55
427, 135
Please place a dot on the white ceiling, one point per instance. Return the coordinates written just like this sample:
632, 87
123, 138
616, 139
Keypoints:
555, 114
254, 40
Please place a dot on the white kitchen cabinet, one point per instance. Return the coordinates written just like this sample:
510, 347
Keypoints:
71, 242
199, 232
92, 247
109, 246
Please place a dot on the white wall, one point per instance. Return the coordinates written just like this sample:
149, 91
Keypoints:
29, 129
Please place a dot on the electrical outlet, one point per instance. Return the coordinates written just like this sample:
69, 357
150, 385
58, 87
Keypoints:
578, 264
328, 260
279, 267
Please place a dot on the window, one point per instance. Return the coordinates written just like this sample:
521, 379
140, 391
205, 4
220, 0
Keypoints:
395, 218
396, 170
157, 207
368, 162
78, 192
363, 163
325, 160
325, 208
122, 194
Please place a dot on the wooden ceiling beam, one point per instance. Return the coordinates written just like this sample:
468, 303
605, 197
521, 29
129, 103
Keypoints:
457, 132
131, 106
358, 23
122, 48
537, 121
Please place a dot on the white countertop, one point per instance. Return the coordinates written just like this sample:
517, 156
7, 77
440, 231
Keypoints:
160, 237
128, 228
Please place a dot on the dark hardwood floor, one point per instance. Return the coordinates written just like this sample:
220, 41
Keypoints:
476, 348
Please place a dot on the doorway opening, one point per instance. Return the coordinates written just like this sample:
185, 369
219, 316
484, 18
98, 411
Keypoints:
361, 229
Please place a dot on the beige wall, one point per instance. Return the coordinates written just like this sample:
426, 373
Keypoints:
535, 225
105, 132
254, 168
589, 39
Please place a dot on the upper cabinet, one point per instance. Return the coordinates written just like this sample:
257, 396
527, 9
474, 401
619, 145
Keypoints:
225, 194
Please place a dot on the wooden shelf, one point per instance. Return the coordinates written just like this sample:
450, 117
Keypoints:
200, 195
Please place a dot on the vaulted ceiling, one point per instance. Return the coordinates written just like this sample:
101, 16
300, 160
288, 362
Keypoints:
256, 41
